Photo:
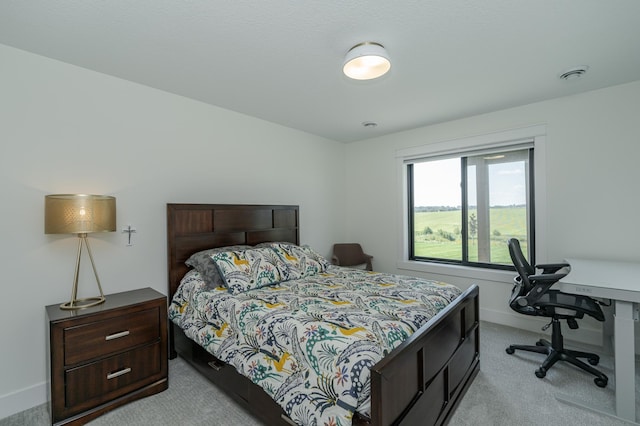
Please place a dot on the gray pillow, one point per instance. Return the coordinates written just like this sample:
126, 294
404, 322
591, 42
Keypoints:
206, 267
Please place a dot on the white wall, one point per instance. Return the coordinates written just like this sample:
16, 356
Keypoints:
64, 129
593, 148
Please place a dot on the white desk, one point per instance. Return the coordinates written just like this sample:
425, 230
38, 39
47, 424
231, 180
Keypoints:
619, 281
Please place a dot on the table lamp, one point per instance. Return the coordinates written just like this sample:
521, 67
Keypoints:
80, 214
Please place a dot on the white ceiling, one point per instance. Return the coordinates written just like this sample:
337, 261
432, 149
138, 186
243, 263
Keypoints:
281, 60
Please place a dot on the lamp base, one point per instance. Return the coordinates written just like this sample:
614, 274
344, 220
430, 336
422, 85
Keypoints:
76, 303
83, 303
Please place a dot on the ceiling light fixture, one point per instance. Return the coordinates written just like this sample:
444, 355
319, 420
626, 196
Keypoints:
366, 61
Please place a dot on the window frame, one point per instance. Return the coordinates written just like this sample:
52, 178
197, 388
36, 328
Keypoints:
535, 136
464, 159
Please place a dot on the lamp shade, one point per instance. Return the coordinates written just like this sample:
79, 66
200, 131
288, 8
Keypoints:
366, 61
79, 213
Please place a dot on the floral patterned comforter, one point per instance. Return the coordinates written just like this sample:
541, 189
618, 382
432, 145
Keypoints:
309, 343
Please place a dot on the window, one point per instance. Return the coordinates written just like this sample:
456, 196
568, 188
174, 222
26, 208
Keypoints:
464, 199
464, 209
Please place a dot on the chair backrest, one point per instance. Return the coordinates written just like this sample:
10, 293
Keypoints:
523, 267
517, 257
349, 254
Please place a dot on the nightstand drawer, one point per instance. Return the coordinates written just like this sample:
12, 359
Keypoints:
95, 339
111, 377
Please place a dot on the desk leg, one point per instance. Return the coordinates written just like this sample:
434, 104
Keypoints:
625, 361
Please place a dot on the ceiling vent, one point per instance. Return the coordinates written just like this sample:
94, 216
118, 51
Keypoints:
574, 73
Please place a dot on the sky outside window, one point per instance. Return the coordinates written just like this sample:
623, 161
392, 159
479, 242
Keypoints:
437, 183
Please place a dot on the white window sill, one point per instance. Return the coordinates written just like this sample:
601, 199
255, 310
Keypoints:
457, 271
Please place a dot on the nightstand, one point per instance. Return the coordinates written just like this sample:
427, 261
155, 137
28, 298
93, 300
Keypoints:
105, 356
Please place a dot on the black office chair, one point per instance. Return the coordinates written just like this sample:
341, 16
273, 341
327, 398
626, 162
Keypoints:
532, 295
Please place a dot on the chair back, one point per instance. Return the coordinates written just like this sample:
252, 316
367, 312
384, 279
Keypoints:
517, 257
522, 285
349, 254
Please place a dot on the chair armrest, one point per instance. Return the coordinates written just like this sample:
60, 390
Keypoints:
369, 266
547, 278
543, 283
550, 268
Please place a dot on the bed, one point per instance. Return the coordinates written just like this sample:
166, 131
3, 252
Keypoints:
421, 381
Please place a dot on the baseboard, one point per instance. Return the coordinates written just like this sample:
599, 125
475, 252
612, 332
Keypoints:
585, 334
23, 399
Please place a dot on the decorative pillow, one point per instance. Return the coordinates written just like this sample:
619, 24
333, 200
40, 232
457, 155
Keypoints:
301, 261
245, 270
202, 262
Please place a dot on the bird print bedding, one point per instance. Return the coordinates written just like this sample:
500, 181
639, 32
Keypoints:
310, 342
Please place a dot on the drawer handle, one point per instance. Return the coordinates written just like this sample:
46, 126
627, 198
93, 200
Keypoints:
215, 365
117, 335
118, 373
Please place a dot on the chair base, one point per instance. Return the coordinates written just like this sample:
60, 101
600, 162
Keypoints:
556, 352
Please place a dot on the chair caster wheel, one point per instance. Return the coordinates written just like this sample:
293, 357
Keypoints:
594, 361
510, 350
541, 372
600, 382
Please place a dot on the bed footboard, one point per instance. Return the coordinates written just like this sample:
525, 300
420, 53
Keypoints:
424, 379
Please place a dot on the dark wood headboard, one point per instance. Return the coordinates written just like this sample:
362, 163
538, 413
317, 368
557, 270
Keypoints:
195, 227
